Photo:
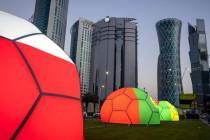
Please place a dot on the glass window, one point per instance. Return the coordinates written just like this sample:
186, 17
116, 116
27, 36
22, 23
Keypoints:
202, 39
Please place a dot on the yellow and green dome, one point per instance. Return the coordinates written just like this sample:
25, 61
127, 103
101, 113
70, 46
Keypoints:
167, 111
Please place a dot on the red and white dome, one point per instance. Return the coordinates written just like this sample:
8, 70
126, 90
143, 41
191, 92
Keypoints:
39, 85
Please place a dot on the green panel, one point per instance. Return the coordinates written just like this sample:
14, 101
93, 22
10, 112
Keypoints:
155, 119
163, 104
140, 94
145, 112
161, 118
151, 104
166, 114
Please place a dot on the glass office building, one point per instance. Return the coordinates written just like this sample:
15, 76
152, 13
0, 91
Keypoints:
199, 62
114, 55
50, 17
80, 50
169, 69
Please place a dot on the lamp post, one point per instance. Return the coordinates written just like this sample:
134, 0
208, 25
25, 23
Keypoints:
99, 97
106, 74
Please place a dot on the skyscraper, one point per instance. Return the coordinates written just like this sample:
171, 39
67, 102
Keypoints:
199, 62
169, 69
80, 52
50, 17
114, 55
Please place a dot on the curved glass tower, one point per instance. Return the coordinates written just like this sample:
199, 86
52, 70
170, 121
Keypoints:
169, 69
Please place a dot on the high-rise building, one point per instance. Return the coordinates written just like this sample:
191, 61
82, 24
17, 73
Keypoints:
199, 62
169, 69
80, 52
50, 17
114, 55
31, 19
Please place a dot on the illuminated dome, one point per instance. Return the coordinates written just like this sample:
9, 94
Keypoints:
167, 111
40, 90
129, 106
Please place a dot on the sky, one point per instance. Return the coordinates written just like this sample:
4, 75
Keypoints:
147, 13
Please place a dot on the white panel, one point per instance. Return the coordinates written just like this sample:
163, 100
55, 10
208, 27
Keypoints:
13, 27
43, 43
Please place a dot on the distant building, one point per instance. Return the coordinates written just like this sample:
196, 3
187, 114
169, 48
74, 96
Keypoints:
50, 17
80, 51
188, 101
199, 62
31, 19
114, 55
169, 69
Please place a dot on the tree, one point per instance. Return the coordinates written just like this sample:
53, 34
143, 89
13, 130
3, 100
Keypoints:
89, 98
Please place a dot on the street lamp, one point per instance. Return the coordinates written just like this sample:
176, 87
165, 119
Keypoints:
106, 74
99, 97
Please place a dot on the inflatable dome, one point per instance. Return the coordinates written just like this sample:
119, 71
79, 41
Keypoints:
39, 86
129, 106
167, 111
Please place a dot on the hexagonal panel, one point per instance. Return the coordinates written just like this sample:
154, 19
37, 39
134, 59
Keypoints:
116, 93
106, 110
140, 94
175, 115
18, 89
119, 117
130, 93
133, 112
62, 114
121, 102
166, 114
55, 75
151, 104
155, 118
145, 112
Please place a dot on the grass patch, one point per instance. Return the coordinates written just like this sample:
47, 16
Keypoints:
182, 130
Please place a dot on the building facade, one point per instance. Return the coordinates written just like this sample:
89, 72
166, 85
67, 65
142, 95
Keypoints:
169, 69
50, 17
114, 55
80, 50
199, 62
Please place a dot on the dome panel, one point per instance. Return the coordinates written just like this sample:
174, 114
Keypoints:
13, 27
106, 111
121, 102
119, 117
132, 109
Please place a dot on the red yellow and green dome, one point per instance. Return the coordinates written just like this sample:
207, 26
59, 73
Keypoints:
130, 106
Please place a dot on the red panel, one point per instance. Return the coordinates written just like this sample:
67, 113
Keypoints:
54, 118
121, 102
54, 74
106, 111
119, 117
130, 92
133, 112
116, 93
18, 90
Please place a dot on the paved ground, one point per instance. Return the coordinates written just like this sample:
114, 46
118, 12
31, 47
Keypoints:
182, 130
